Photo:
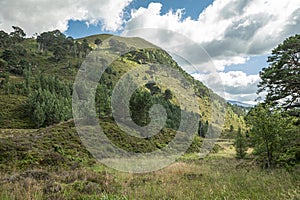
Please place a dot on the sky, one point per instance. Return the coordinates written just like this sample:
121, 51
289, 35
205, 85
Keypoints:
236, 35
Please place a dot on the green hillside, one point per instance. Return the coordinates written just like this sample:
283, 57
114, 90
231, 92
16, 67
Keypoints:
41, 60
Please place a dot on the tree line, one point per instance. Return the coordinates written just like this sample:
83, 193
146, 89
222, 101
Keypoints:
274, 124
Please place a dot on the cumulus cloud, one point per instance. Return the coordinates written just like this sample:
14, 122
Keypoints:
229, 31
225, 33
38, 16
237, 84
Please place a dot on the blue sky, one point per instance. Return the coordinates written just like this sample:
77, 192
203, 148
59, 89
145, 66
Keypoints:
238, 35
192, 8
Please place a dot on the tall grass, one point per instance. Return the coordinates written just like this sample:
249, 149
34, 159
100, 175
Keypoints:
215, 178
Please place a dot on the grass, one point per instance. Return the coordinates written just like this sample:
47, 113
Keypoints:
201, 179
13, 112
51, 163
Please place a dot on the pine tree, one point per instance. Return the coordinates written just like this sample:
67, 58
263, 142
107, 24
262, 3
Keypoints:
39, 116
240, 145
281, 80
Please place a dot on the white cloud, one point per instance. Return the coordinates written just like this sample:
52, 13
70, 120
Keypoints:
237, 84
229, 31
43, 15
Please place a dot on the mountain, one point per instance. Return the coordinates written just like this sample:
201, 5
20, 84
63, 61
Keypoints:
39, 139
27, 64
241, 104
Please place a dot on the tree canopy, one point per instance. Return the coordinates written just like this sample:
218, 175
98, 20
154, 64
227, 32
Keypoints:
281, 80
269, 131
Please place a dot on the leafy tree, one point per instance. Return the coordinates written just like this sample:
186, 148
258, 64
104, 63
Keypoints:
49, 40
10, 57
5, 40
59, 53
98, 41
18, 35
240, 144
281, 80
140, 104
268, 132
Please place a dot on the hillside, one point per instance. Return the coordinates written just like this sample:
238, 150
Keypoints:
32, 55
37, 84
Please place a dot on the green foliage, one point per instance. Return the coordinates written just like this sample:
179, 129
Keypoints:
203, 128
103, 100
61, 46
281, 79
240, 145
39, 115
168, 94
231, 128
140, 104
98, 41
275, 128
59, 53
7, 40
14, 112
17, 35
50, 102
269, 131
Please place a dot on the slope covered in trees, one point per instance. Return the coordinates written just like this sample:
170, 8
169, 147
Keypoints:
45, 68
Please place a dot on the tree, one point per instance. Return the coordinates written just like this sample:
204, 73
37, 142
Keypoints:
168, 94
9, 56
231, 129
86, 47
39, 116
59, 53
203, 128
268, 132
140, 104
50, 40
98, 41
102, 100
50, 102
18, 35
240, 145
281, 80
5, 40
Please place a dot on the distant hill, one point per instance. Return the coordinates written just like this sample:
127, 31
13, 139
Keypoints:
241, 104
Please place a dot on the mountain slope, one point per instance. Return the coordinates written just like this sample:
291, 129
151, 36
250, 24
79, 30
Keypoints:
48, 62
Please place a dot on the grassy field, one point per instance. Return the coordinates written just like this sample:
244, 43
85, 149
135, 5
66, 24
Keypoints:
51, 163
202, 179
